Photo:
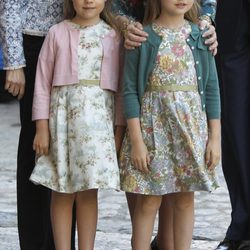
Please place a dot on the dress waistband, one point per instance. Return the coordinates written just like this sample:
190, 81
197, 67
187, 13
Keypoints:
89, 82
173, 88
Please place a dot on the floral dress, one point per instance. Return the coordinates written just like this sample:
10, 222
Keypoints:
82, 149
174, 127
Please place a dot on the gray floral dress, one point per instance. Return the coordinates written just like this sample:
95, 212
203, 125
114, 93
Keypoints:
82, 148
174, 127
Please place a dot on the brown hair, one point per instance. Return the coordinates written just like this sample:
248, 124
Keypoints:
69, 12
153, 11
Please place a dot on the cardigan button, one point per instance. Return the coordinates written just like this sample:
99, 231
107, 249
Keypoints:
192, 47
201, 92
203, 105
199, 78
197, 62
188, 40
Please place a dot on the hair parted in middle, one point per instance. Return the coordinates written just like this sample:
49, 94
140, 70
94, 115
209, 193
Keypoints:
153, 11
107, 15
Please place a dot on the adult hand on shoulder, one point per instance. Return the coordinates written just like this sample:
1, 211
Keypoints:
210, 36
134, 35
15, 82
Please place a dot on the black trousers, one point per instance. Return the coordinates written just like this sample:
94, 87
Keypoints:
234, 75
33, 201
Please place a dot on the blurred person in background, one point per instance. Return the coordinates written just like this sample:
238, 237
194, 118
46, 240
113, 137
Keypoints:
233, 63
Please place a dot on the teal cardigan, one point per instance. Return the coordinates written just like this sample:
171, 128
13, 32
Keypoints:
139, 64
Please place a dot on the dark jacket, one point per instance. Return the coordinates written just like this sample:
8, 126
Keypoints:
228, 21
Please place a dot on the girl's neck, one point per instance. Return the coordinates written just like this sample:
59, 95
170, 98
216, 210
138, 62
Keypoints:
171, 22
85, 22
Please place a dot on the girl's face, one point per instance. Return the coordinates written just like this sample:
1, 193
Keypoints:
88, 9
176, 7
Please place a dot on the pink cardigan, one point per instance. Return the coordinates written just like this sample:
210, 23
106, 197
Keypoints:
58, 65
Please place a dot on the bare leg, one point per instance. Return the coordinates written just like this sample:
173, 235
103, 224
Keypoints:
61, 218
165, 235
86, 216
183, 220
143, 221
131, 200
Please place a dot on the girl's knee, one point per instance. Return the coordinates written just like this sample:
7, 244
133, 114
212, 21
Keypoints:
88, 197
184, 200
149, 202
62, 199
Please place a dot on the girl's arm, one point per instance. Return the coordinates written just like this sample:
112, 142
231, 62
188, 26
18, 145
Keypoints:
213, 149
213, 110
44, 79
139, 153
41, 141
41, 100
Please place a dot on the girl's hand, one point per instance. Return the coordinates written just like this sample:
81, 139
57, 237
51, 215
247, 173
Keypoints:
139, 157
41, 140
213, 153
134, 35
210, 36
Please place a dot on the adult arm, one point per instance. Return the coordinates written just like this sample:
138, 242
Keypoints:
208, 10
134, 34
12, 45
132, 29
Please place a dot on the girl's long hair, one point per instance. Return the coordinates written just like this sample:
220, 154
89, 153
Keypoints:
153, 11
69, 12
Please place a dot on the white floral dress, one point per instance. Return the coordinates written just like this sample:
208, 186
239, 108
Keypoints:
82, 148
174, 127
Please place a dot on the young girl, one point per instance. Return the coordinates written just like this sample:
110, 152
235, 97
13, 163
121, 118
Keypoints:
77, 74
172, 106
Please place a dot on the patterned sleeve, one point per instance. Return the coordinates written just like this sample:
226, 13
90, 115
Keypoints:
11, 33
208, 8
121, 7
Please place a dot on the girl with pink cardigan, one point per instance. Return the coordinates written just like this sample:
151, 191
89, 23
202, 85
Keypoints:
73, 107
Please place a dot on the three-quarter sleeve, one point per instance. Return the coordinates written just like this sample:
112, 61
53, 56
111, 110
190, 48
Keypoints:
44, 78
11, 33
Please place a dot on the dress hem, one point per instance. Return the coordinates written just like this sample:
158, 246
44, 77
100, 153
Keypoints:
37, 182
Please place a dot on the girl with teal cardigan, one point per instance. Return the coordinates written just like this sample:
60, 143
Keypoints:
172, 107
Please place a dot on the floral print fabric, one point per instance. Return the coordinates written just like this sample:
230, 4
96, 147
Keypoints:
174, 127
90, 49
82, 149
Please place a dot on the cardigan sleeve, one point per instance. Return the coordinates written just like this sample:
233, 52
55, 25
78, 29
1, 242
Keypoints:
213, 108
130, 84
44, 78
119, 116
11, 33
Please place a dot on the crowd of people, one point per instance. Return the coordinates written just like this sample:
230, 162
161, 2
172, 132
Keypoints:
131, 95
